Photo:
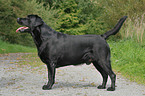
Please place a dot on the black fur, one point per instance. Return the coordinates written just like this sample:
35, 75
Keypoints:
56, 49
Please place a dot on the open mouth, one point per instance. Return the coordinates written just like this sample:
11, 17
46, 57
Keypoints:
20, 29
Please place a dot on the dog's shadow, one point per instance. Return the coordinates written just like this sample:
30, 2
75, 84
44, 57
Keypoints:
74, 85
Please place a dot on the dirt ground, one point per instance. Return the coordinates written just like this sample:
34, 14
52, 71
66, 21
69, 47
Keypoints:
70, 81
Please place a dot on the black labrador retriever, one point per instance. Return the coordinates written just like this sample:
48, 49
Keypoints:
56, 49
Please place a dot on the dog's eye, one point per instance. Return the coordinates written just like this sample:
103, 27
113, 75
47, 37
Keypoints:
28, 19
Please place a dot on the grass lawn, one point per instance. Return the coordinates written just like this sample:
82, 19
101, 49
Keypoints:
14, 48
128, 58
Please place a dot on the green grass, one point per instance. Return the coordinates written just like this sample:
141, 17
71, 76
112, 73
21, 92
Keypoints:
14, 48
128, 58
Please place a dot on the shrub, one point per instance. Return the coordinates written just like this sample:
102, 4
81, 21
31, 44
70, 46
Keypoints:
13, 9
115, 9
71, 16
68, 20
77, 18
135, 29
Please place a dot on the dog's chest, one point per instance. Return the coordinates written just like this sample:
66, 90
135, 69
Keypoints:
44, 55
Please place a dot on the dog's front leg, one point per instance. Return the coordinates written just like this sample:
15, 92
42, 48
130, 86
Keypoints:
51, 76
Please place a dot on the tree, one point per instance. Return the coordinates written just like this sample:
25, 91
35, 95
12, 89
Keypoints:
68, 20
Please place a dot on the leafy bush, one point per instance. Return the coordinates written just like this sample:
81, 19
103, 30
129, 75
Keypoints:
68, 20
10, 11
8, 19
77, 18
68, 16
115, 9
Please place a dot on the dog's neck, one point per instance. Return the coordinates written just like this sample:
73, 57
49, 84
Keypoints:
40, 37
36, 37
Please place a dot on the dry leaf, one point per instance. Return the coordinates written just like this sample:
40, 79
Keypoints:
93, 84
74, 87
12, 62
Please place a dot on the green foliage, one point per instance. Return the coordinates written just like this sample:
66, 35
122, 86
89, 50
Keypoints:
8, 19
44, 12
10, 11
52, 3
68, 16
68, 20
115, 9
91, 16
81, 17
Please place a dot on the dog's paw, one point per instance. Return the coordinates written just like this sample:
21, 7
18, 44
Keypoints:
46, 87
110, 89
101, 87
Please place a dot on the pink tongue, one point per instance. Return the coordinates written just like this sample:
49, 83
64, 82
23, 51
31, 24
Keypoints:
21, 28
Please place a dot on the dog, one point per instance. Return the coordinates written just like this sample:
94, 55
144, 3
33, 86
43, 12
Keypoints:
56, 49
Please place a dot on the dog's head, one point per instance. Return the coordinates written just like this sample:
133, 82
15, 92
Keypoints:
29, 23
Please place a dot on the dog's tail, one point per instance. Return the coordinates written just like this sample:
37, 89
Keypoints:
115, 29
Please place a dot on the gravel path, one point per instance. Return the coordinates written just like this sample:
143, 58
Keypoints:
70, 81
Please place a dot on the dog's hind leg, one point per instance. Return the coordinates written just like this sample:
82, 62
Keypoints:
107, 68
103, 73
51, 76
102, 56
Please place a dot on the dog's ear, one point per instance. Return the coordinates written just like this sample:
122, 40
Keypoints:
35, 21
38, 21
